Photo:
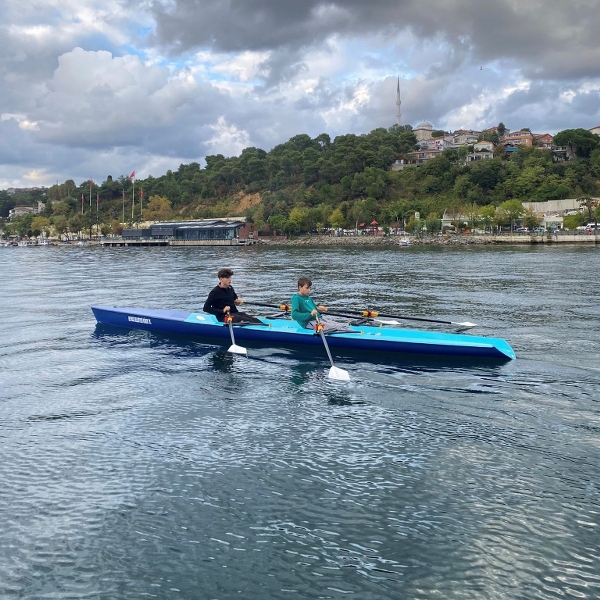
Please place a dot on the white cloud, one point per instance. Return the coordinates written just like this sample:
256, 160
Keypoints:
97, 88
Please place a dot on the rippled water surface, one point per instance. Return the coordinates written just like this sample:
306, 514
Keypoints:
137, 465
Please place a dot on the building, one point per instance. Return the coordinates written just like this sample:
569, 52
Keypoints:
463, 137
434, 143
543, 140
19, 211
519, 139
219, 232
423, 131
595, 130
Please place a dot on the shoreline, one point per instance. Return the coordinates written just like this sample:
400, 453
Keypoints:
433, 240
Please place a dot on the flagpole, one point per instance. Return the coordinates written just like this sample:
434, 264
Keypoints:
133, 199
123, 205
97, 221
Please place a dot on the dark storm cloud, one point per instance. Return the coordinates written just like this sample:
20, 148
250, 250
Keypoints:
546, 38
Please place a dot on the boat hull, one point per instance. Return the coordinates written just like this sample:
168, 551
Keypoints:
277, 332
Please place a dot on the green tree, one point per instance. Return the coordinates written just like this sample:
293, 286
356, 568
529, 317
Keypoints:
157, 209
39, 225
509, 211
337, 218
580, 141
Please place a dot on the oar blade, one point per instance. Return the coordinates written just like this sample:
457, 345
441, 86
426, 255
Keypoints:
339, 374
466, 324
235, 349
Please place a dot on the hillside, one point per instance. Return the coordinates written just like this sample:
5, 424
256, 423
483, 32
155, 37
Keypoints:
308, 183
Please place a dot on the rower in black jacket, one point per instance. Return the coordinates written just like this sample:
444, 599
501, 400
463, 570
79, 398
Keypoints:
223, 299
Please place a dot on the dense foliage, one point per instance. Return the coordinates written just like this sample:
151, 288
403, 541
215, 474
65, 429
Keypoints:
310, 183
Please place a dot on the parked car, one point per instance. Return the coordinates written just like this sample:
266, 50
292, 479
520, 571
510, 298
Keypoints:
522, 230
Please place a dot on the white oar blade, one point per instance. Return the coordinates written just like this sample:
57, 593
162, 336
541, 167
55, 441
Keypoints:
466, 324
235, 349
339, 374
387, 322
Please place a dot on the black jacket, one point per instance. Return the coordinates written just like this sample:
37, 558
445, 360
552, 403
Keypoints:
218, 299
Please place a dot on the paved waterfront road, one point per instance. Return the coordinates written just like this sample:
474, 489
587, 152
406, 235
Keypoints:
140, 466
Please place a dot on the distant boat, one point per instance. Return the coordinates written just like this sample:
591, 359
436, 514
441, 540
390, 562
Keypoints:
405, 241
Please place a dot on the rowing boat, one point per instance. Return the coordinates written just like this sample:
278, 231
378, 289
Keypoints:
283, 331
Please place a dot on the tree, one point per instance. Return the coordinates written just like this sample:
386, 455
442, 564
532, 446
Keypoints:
157, 209
509, 211
337, 218
590, 205
39, 225
530, 219
59, 222
580, 141
501, 129
487, 214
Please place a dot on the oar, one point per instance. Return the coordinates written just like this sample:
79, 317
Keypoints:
334, 372
285, 307
372, 314
234, 348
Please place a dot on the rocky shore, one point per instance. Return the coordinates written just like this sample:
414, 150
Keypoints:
381, 240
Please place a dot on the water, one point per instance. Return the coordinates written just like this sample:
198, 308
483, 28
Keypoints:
136, 465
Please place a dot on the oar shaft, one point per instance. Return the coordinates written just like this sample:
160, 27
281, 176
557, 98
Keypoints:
372, 314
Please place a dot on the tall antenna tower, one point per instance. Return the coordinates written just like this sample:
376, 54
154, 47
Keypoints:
398, 104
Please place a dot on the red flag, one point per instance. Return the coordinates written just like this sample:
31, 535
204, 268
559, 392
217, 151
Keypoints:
141, 193
82, 201
132, 175
91, 182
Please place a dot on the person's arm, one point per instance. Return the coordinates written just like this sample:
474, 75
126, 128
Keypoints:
236, 300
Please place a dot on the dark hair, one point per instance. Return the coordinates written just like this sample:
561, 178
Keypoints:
224, 273
304, 281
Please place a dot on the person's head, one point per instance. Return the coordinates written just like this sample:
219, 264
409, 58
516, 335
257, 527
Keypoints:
304, 285
224, 276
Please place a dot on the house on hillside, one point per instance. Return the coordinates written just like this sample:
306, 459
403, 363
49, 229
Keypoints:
519, 139
595, 130
420, 157
19, 211
543, 141
463, 137
434, 143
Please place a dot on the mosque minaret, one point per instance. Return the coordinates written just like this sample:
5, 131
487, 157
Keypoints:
398, 103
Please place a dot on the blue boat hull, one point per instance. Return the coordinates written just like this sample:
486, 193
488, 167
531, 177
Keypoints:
277, 332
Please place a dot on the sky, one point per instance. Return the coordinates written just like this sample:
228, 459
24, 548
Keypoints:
93, 88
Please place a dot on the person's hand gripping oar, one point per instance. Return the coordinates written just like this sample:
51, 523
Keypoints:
234, 348
334, 372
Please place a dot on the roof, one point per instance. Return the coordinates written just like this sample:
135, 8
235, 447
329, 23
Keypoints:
212, 224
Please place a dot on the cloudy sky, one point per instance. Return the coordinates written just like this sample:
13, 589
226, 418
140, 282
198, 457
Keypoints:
91, 88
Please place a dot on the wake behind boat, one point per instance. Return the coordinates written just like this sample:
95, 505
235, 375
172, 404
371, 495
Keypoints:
282, 331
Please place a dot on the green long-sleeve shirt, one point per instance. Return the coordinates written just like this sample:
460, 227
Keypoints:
301, 309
